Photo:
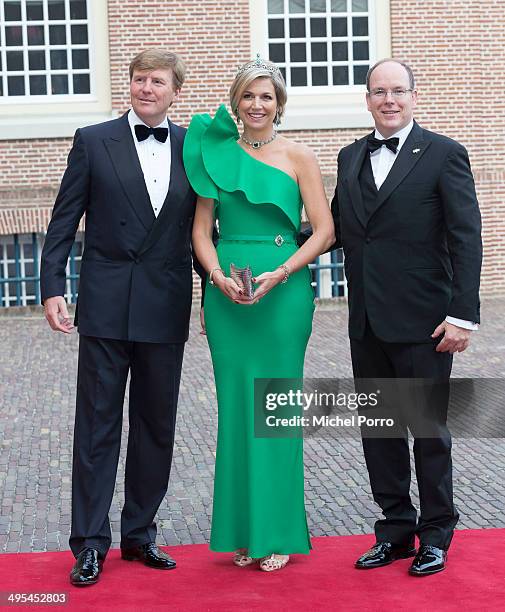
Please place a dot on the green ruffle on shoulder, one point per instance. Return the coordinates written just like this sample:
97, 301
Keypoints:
193, 161
214, 159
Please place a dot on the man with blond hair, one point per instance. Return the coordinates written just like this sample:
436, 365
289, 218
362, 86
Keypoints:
127, 177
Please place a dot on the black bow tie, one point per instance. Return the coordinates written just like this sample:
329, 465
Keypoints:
374, 143
142, 132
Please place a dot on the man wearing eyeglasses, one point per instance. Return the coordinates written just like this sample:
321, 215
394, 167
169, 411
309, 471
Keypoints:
406, 211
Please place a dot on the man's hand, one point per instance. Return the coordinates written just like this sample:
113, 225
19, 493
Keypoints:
456, 339
56, 313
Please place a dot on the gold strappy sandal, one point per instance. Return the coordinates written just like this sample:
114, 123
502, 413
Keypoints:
240, 558
273, 563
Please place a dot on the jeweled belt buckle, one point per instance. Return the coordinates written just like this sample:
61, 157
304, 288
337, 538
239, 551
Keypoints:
279, 240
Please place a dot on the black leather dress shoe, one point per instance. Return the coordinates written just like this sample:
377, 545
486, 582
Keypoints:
429, 560
150, 555
87, 568
384, 553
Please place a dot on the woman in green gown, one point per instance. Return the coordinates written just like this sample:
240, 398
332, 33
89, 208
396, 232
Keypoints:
254, 187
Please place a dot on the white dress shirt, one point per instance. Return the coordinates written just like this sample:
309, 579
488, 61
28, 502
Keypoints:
155, 160
382, 161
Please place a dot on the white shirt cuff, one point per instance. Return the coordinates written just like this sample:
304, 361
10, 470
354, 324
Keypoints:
462, 323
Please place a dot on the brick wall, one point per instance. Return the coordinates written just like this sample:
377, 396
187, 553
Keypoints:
457, 50
212, 37
30, 171
456, 47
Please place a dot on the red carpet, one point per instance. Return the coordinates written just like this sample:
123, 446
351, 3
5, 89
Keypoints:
473, 580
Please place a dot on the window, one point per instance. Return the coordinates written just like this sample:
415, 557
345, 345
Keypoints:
320, 43
324, 49
328, 278
20, 265
45, 48
50, 79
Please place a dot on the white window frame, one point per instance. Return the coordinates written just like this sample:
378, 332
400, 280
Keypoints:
28, 299
59, 116
328, 107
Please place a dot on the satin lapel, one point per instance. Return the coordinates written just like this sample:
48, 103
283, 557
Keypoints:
410, 153
124, 158
360, 150
177, 190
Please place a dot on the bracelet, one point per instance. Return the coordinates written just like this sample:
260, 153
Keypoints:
286, 271
218, 269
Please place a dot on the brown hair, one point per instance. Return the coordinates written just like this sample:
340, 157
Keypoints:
156, 59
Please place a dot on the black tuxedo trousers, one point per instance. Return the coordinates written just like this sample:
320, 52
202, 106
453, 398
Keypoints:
388, 459
155, 372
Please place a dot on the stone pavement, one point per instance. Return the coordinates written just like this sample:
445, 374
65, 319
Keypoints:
37, 386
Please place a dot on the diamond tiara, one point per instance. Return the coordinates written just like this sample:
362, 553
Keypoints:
258, 63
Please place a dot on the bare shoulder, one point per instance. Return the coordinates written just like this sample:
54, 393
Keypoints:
300, 154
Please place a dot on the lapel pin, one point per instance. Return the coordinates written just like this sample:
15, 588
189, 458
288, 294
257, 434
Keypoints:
415, 150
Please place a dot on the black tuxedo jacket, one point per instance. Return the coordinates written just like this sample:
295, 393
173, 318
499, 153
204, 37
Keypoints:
136, 272
417, 257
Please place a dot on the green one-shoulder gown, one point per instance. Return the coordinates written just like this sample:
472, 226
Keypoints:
259, 482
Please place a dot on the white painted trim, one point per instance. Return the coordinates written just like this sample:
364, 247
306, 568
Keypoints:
337, 116
48, 126
382, 39
259, 28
